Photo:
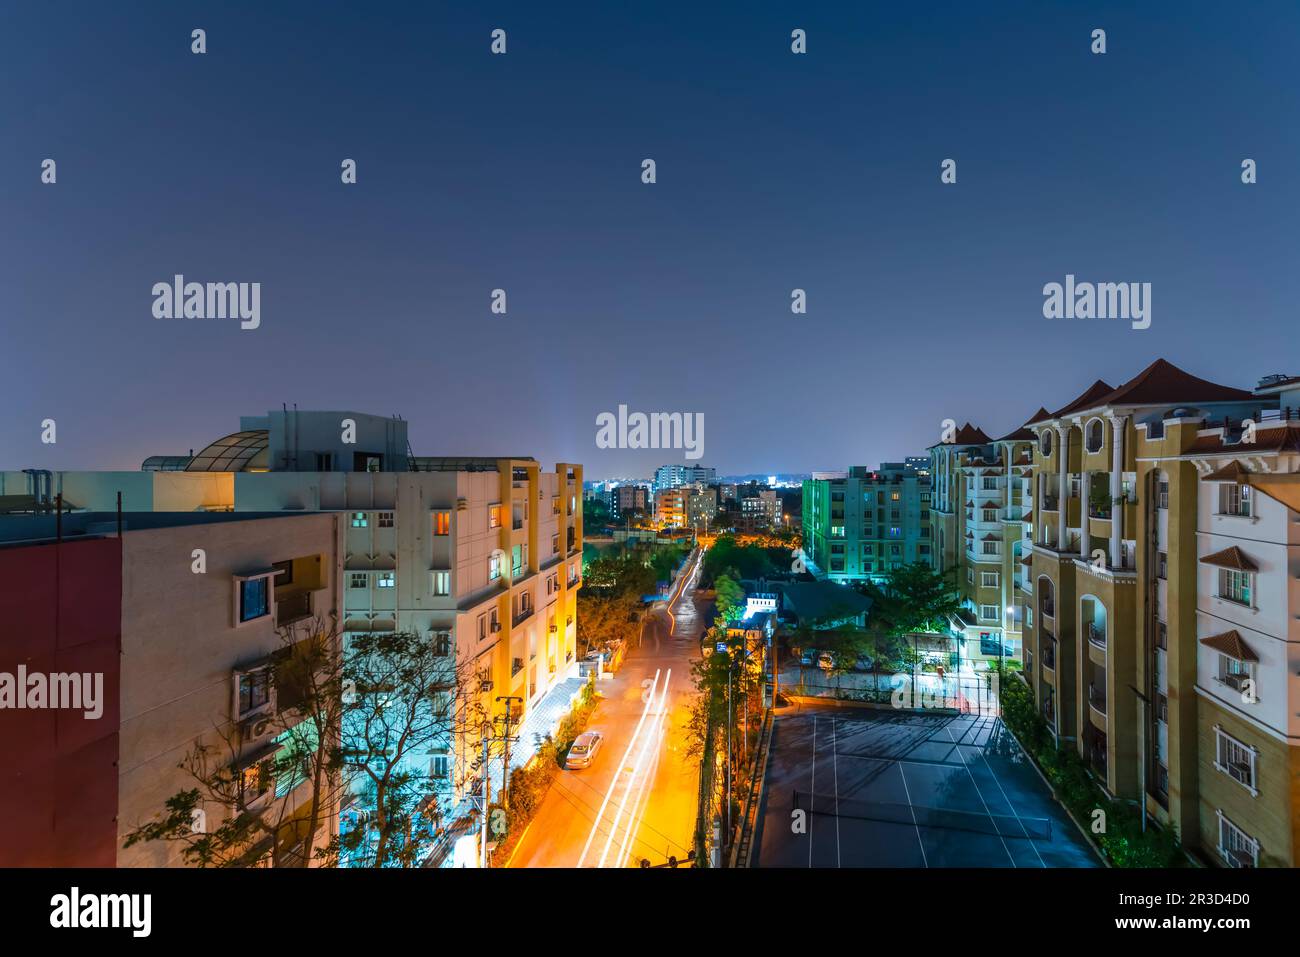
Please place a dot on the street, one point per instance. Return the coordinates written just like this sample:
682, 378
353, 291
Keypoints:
637, 802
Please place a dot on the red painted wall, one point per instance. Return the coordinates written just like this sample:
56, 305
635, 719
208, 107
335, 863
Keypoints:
60, 611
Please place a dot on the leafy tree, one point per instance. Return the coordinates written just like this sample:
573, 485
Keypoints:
913, 598
730, 598
225, 820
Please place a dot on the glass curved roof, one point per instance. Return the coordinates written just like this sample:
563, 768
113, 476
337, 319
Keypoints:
237, 452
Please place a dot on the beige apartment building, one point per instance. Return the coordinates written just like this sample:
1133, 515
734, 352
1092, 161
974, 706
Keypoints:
482, 555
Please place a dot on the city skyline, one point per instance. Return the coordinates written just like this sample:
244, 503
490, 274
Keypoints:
478, 172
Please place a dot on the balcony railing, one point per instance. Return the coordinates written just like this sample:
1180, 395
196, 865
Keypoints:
1048, 657
1097, 698
521, 616
1097, 634
1049, 609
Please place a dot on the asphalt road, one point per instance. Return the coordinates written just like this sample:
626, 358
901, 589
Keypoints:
638, 799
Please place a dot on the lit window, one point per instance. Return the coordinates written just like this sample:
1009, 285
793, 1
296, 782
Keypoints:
1234, 499
1234, 585
442, 523
386, 580
359, 520
254, 598
442, 583
254, 690
494, 516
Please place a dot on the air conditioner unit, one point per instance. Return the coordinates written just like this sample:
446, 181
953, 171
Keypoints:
462, 504
256, 728
1239, 772
496, 626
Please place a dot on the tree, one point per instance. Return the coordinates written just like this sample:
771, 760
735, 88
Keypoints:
399, 692
730, 598
913, 598
237, 812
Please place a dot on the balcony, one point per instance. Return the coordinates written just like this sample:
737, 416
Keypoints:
291, 608
516, 666
1097, 634
521, 616
1097, 699
1048, 609
1047, 656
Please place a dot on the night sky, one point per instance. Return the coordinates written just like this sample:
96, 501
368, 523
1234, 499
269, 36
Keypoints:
522, 172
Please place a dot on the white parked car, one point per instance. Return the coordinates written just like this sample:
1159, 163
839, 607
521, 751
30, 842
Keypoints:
584, 750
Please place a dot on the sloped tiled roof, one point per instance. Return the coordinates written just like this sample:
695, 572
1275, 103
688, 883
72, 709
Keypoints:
971, 435
1162, 381
1231, 644
1092, 397
1233, 558
1232, 472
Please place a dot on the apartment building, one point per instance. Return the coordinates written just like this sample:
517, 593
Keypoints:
760, 508
977, 526
1246, 620
182, 613
675, 476
701, 507
483, 555
860, 523
624, 499
1116, 566
670, 507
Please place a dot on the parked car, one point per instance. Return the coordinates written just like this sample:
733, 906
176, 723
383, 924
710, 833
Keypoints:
826, 661
806, 656
584, 750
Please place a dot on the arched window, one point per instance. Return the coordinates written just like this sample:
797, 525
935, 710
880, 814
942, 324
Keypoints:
1095, 437
1045, 442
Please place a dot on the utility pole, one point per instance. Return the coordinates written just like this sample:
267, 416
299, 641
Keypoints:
507, 739
487, 799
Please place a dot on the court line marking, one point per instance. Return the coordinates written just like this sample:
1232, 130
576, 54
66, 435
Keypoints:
985, 804
911, 810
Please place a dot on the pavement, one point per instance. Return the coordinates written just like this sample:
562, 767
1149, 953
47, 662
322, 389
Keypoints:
638, 799
891, 788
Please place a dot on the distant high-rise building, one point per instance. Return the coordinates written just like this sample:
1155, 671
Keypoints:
622, 499
675, 476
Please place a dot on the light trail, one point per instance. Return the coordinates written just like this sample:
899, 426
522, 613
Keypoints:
650, 698
636, 768
647, 785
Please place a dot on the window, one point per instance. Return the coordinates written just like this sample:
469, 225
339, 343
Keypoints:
893, 496
895, 532
989, 579
989, 483
385, 520
439, 767
868, 549
358, 579
1234, 499
1234, 586
1236, 847
837, 531
283, 573
359, 520
442, 583
1238, 675
482, 627
990, 514
254, 690
895, 550
1045, 443
442, 523
442, 643
1162, 635
386, 580
324, 461
989, 548
1162, 565
555, 544
970, 576
1162, 494
256, 781
989, 612
518, 560
494, 566
1096, 436
254, 598
1235, 759
494, 516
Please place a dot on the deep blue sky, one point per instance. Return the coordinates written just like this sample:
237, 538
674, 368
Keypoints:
523, 171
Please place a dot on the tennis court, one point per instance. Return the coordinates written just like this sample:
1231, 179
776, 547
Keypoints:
885, 788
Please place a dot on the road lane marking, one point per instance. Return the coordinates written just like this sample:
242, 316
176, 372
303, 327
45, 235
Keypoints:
645, 746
